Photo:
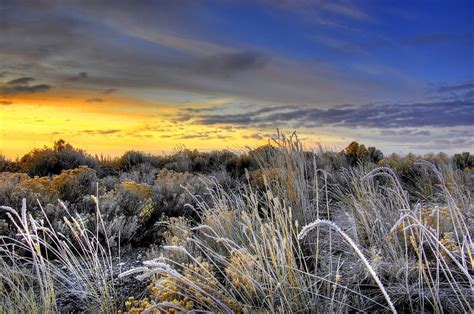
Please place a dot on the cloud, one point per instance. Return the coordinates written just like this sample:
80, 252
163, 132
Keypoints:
346, 10
168, 48
455, 88
21, 86
383, 116
191, 136
21, 81
258, 136
208, 135
24, 89
227, 64
462, 132
197, 110
454, 142
98, 100
429, 38
101, 132
81, 76
109, 91
178, 43
405, 132
326, 13
469, 94
5, 102
444, 144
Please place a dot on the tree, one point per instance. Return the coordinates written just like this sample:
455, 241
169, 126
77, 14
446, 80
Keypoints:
374, 155
61, 145
351, 153
464, 160
362, 153
356, 152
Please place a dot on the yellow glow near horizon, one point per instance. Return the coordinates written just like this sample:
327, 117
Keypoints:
108, 128
113, 126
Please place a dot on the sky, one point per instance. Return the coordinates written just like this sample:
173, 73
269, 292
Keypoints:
112, 76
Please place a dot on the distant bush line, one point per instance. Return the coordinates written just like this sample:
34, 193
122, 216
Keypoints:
50, 161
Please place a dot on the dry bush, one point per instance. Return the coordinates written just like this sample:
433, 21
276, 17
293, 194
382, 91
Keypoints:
8, 182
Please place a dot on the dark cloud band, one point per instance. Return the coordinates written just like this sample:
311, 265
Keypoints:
438, 114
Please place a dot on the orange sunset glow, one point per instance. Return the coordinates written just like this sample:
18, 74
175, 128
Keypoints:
113, 125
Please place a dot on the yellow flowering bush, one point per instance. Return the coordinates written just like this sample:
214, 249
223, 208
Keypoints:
438, 221
241, 271
167, 294
136, 199
73, 185
37, 188
141, 190
177, 231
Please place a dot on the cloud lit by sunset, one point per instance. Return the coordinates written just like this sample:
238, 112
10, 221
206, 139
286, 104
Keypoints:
111, 76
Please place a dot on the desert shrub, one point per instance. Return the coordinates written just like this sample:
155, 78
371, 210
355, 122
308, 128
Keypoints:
185, 160
7, 165
110, 182
181, 161
276, 229
141, 173
127, 209
225, 180
8, 182
374, 155
216, 160
34, 190
122, 230
236, 165
133, 158
49, 161
173, 191
135, 198
109, 166
463, 161
140, 206
75, 184
330, 161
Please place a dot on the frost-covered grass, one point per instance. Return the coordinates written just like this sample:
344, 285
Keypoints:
40, 263
304, 233
368, 250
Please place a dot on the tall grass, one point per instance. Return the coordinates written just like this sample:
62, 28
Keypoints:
40, 264
309, 238
250, 250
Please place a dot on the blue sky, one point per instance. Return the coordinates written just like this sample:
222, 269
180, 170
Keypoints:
395, 74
